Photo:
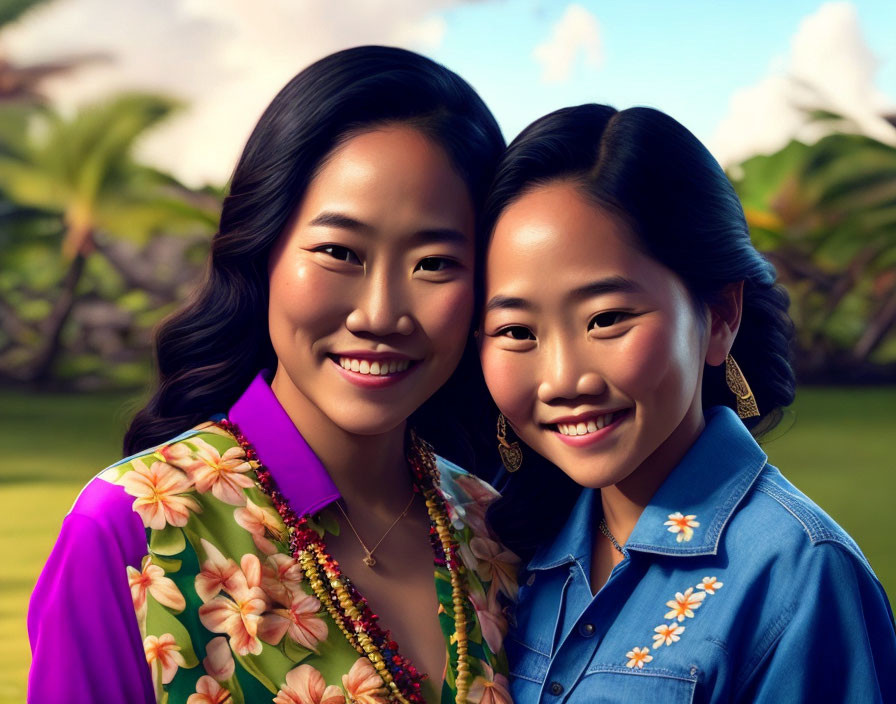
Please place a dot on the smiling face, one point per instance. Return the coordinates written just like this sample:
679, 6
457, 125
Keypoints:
592, 350
371, 284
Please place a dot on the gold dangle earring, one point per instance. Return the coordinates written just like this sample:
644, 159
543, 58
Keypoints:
737, 382
511, 455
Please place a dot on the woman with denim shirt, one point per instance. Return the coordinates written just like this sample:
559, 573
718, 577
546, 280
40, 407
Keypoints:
669, 561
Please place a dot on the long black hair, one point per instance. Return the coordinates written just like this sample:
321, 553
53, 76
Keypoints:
656, 177
209, 351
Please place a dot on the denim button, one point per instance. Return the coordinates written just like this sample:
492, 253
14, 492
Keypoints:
586, 630
556, 689
531, 580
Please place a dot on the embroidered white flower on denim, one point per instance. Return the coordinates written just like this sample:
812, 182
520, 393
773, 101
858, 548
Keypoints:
710, 585
638, 656
682, 525
667, 634
684, 605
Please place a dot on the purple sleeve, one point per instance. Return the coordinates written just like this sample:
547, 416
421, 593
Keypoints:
85, 641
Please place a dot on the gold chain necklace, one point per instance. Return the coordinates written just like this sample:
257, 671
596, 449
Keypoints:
369, 559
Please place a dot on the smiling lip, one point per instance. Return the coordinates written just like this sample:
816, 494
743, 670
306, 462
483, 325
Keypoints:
589, 428
373, 369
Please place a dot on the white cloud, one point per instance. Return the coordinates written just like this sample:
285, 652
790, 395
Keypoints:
829, 66
225, 58
576, 34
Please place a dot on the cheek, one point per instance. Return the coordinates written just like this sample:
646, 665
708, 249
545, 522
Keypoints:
508, 378
445, 314
658, 358
303, 296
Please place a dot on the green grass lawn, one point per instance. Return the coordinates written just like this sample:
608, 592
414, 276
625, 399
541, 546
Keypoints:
835, 445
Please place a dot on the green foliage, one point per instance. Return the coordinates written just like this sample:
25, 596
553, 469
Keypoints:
826, 216
69, 187
11, 10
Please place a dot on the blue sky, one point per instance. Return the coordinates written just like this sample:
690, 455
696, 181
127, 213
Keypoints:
721, 67
685, 58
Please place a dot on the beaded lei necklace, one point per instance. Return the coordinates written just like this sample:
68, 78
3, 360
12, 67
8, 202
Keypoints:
348, 609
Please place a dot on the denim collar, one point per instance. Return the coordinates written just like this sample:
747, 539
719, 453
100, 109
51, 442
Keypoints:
299, 474
690, 510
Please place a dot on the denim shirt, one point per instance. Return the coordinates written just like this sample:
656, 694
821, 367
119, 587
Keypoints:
734, 587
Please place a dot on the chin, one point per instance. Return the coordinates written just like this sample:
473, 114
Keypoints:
368, 426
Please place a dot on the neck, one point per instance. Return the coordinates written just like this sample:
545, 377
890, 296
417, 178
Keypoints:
369, 470
624, 502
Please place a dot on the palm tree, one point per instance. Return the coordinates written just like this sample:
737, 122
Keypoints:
82, 169
825, 214
21, 83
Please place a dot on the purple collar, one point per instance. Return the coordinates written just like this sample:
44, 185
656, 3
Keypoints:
299, 475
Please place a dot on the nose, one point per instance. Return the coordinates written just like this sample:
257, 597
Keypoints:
568, 373
381, 308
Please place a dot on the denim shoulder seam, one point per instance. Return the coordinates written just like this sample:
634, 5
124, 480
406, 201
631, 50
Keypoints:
815, 529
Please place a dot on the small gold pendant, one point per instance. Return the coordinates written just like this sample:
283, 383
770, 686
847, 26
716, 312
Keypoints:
369, 560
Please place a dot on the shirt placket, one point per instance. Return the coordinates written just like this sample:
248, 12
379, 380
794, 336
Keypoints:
582, 638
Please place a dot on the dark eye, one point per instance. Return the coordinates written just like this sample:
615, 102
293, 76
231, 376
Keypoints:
605, 320
435, 264
343, 254
517, 332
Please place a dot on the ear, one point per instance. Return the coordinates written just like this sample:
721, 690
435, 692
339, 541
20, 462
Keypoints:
724, 322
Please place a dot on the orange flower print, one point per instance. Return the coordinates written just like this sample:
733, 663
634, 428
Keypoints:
496, 564
363, 685
281, 576
482, 496
667, 634
263, 523
489, 688
301, 621
305, 685
161, 494
152, 578
209, 692
237, 617
491, 620
637, 657
710, 585
163, 652
217, 572
218, 660
684, 605
224, 475
683, 525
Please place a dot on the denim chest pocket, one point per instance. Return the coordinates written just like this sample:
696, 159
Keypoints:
528, 663
621, 685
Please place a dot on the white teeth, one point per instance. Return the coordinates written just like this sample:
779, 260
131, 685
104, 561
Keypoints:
378, 368
583, 428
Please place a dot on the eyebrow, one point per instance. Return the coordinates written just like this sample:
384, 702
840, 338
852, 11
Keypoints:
435, 235
610, 284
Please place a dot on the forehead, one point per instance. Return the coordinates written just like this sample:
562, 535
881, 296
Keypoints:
390, 165
555, 231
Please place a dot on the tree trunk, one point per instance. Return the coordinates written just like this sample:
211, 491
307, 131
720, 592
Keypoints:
55, 322
877, 329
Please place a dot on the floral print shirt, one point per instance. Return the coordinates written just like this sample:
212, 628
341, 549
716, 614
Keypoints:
198, 600
734, 587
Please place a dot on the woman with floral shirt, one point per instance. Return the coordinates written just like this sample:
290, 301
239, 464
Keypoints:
283, 549
669, 562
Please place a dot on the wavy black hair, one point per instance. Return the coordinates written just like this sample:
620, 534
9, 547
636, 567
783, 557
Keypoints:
209, 351
656, 177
